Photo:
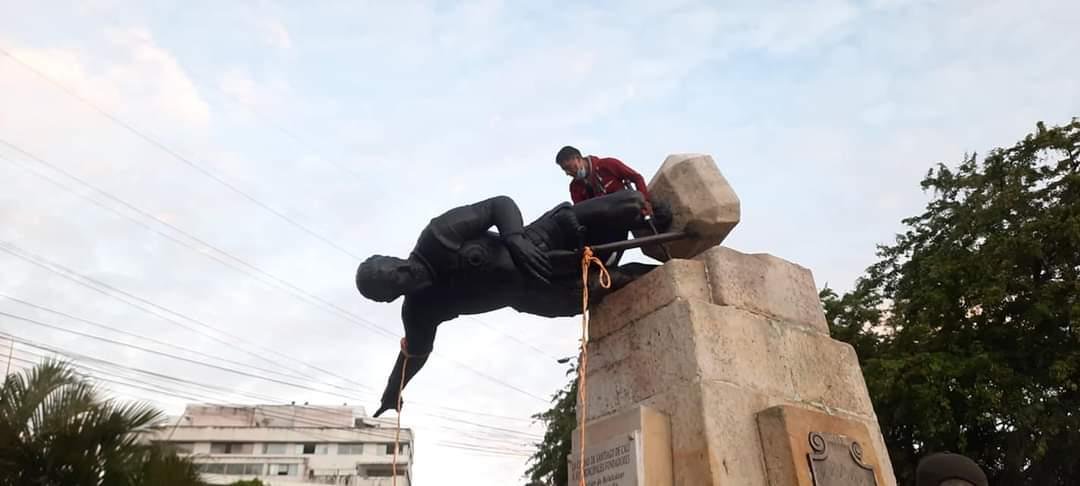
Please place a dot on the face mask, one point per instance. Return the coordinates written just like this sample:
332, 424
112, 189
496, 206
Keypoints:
581, 173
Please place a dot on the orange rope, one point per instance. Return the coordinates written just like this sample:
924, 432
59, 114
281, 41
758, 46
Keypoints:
401, 388
587, 259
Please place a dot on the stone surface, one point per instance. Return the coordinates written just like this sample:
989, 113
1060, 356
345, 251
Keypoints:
701, 200
687, 339
715, 438
654, 433
764, 284
825, 373
713, 341
785, 432
639, 361
674, 279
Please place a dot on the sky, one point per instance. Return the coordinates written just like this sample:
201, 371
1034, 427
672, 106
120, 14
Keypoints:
219, 169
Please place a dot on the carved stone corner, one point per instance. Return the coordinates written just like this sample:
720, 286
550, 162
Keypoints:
805, 447
836, 459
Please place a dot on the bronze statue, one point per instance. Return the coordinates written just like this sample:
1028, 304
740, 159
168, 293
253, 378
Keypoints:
459, 267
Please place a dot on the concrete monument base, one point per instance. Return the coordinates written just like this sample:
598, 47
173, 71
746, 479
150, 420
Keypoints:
716, 344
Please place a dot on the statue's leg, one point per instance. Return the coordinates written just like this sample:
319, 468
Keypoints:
618, 211
422, 315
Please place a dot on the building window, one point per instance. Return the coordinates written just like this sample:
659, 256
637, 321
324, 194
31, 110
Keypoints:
284, 470
232, 469
388, 449
211, 468
350, 449
180, 447
276, 448
231, 448
244, 469
312, 448
382, 471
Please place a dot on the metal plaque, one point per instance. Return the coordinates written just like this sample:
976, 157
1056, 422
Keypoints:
836, 460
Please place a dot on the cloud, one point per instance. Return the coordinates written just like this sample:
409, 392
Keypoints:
276, 35
157, 73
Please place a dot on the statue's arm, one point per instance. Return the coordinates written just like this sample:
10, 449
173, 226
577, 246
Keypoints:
421, 318
529, 259
503, 213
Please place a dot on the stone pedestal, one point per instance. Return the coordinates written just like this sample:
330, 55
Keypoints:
717, 343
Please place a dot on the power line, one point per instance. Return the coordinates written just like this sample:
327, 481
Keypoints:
354, 318
168, 355
280, 282
159, 353
420, 404
511, 337
212, 176
175, 155
138, 336
97, 285
289, 133
216, 389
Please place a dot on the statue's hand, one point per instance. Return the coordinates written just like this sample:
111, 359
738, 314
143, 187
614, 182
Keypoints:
387, 406
528, 257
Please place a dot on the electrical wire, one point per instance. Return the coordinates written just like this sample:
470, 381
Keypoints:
354, 318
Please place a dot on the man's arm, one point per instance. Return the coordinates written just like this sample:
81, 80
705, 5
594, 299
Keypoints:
577, 192
623, 171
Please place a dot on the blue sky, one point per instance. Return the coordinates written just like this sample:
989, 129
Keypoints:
362, 120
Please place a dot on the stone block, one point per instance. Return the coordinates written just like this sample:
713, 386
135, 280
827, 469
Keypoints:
785, 437
701, 201
825, 372
689, 339
739, 347
734, 446
764, 284
638, 361
689, 444
674, 279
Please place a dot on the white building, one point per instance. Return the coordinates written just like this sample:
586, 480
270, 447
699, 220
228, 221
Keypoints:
289, 445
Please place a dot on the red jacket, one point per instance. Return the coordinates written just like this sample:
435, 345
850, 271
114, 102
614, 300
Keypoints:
606, 176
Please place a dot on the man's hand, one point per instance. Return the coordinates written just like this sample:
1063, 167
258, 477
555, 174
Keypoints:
528, 257
647, 209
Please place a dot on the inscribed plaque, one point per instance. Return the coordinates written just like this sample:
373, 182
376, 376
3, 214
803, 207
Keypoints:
614, 462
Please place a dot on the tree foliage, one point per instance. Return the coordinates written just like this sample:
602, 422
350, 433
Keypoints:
967, 326
56, 430
549, 461
247, 482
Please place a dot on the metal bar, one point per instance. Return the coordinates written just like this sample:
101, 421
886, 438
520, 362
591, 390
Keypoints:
627, 244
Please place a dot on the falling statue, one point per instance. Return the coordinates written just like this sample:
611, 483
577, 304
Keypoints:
459, 267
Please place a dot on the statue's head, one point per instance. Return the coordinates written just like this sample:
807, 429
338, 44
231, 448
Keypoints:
384, 278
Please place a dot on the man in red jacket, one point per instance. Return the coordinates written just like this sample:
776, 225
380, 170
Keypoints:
595, 176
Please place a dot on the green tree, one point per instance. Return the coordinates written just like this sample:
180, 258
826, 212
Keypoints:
55, 430
548, 463
967, 326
